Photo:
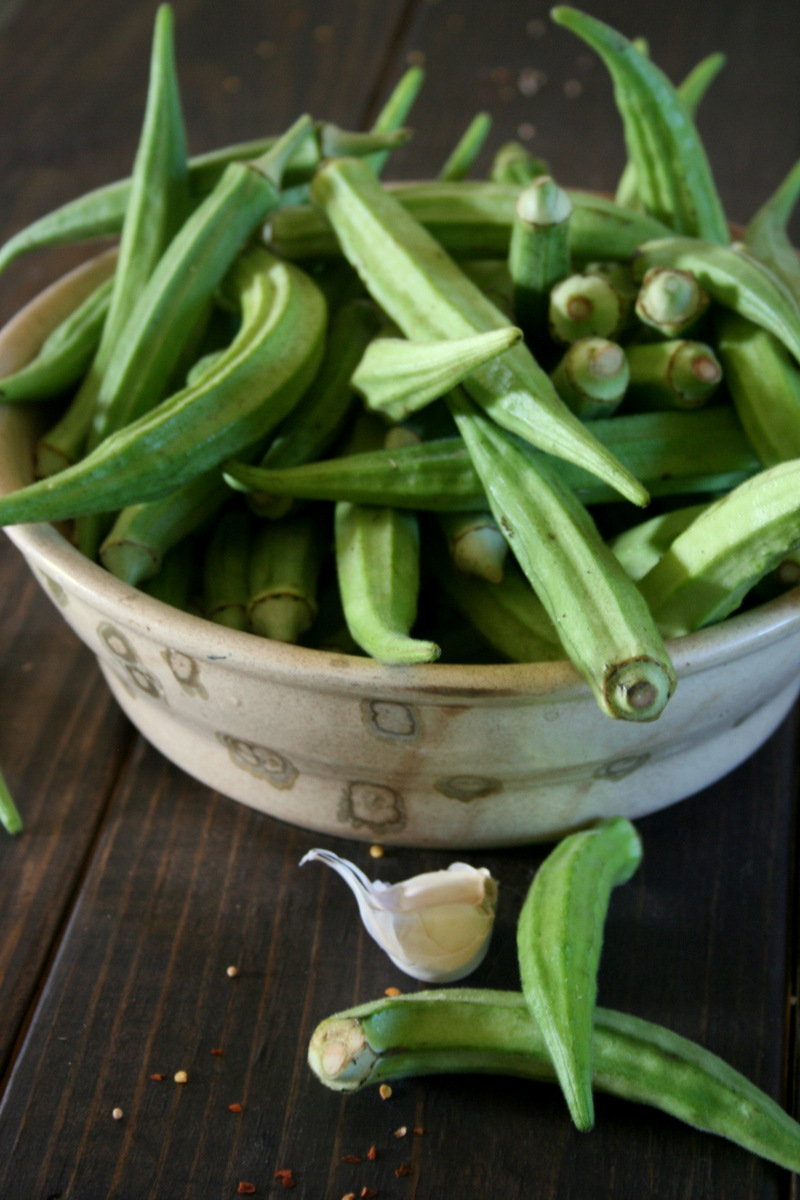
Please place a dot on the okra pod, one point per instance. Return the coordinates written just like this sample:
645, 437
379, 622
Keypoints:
395, 110
9, 813
732, 279
592, 377
467, 149
604, 626
514, 164
476, 1030
538, 257
422, 289
767, 237
476, 544
673, 175
65, 354
174, 583
226, 566
285, 561
397, 377
584, 306
670, 301
559, 939
675, 374
266, 369
727, 549
640, 547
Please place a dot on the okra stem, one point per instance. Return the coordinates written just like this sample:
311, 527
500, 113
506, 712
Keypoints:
675, 374
670, 301
395, 110
9, 814
592, 377
538, 257
465, 152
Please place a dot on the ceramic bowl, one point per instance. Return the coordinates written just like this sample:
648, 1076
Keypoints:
433, 755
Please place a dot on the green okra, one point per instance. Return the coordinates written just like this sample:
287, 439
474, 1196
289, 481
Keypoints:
397, 377
733, 280
691, 91
673, 175
314, 424
463, 155
592, 377
226, 565
538, 257
514, 164
64, 355
559, 939
377, 563
284, 566
423, 290
476, 544
674, 374
508, 614
395, 110
670, 301
477, 1030
266, 369
764, 384
473, 220
174, 583
9, 813
604, 626
640, 547
727, 549
674, 453
583, 306
767, 237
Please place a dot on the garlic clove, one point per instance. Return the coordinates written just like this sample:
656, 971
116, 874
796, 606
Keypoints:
435, 927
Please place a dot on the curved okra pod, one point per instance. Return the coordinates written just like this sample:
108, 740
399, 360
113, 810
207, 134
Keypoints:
313, 426
640, 547
732, 544
285, 561
508, 614
758, 368
477, 1030
670, 301
538, 257
9, 813
674, 453
473, 220
397, 377
514, 164
262, 375
395, 110
584, 306
734, 280
592, 377
226, 563
559, 939
605, 627
676, 374
476, 544
691, 91
766, 232
426, 294
673, 175
467, 149
65, 354
175, 581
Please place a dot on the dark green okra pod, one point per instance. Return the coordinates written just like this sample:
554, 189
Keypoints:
676, 374
423, 290
476, 1030
226, 565
176, 580
673, 176
559, 939
538, 257
285, 561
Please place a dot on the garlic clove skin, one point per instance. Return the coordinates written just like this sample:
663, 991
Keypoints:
435, 927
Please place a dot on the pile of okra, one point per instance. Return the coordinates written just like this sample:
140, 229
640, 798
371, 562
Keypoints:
328, 410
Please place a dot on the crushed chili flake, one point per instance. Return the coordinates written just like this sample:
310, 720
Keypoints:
285, 1176
216, 1052
384, 1091
367, 1194
237, 1108
246, 1189
372, 1153
350, 1158
419, 1130
157, 1078
403, 1169
401, 1131
392, 991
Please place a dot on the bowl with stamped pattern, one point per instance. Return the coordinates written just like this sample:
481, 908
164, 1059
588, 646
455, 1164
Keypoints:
432, 755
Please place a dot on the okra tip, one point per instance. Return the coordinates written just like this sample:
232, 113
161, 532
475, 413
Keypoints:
638, 689
339, 1054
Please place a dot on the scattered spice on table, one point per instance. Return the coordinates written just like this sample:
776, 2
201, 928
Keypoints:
403, 1169
376, 851
392, 991
285, 1176
372, 1153
232, 972
246, 1189
419, 1130
181, 1077
350, 1158
401, 1131
218, 1052
236, 1108
367, 1193
384, 1091
117, 1114
156, 1077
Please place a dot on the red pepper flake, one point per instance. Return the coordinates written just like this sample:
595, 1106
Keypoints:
367, 1194
403, 1169
157, 1078
237, 1108
285, 1176
352, 1158
392, 991
246, 1189
372, 1154
218, 1052
418, 1130
349, 1196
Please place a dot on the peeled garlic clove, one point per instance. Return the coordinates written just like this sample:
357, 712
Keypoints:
435, 927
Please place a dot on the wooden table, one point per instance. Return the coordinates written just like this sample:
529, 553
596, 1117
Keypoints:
133, 887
